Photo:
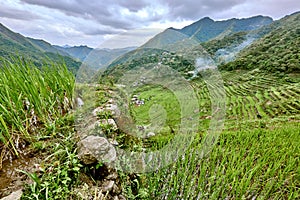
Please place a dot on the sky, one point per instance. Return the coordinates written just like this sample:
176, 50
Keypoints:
122, 23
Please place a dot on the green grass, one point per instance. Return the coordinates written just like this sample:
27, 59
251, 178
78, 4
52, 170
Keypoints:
257, 155
31, 99
155, 99
244, 164
60, 167
35, 105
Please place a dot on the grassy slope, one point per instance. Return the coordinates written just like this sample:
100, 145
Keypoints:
256, 154
13, 44
277, 51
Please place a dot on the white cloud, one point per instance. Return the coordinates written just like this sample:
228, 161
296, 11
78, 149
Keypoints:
91, 22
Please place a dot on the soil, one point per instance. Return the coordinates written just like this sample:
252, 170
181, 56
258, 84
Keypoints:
11, 179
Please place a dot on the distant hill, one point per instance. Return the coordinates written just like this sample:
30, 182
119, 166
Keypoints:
38, 51
204, 30
95, 58
79, 52
192, 37
277, 51
257, 42
207, 29
46, 46
170, 39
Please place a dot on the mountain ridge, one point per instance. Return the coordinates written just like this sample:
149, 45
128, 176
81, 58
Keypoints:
14, 44
207, 29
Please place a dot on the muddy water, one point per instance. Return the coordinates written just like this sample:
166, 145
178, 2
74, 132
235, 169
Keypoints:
12, 180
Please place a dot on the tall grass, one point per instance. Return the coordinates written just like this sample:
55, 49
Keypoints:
249, 164
31, 98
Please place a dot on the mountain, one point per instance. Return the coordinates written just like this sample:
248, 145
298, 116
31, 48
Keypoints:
198, 33
46, 46
277, 51
273, 47
14, 44
79, 52
206, 29
95, 58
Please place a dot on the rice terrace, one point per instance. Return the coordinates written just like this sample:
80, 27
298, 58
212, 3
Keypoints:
209, 109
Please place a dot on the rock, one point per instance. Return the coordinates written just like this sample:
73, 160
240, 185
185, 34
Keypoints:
109, 122
91, 128
14, 196
150, 134
116, 198
112, 176
116, 189
107, 186
113, 142
95, 148
113, 108
97, 110
79, 102
110, 101
121, 197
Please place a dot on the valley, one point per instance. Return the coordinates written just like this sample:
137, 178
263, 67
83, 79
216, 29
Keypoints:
209, 111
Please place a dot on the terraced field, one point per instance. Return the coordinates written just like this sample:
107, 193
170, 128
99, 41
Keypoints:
252, 97
257, 154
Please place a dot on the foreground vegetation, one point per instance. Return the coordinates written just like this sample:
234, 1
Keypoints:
34, 114
32, 100
246, 164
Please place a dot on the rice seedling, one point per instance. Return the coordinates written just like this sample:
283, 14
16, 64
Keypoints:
31, 99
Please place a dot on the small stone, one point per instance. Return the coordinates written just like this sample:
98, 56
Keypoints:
96, 111
113, 108
112, 176
14, 196
93, 126
107, 186
150, 134
121, 197
79, 102
110, 101
116, 198
113, 142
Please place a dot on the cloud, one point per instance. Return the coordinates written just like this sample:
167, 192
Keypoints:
12, 13
130, 38
92, 21
193, 10
117, 14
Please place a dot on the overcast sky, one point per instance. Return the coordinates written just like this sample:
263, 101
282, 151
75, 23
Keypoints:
119, 23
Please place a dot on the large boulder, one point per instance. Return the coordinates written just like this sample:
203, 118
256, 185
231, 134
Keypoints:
95, 149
